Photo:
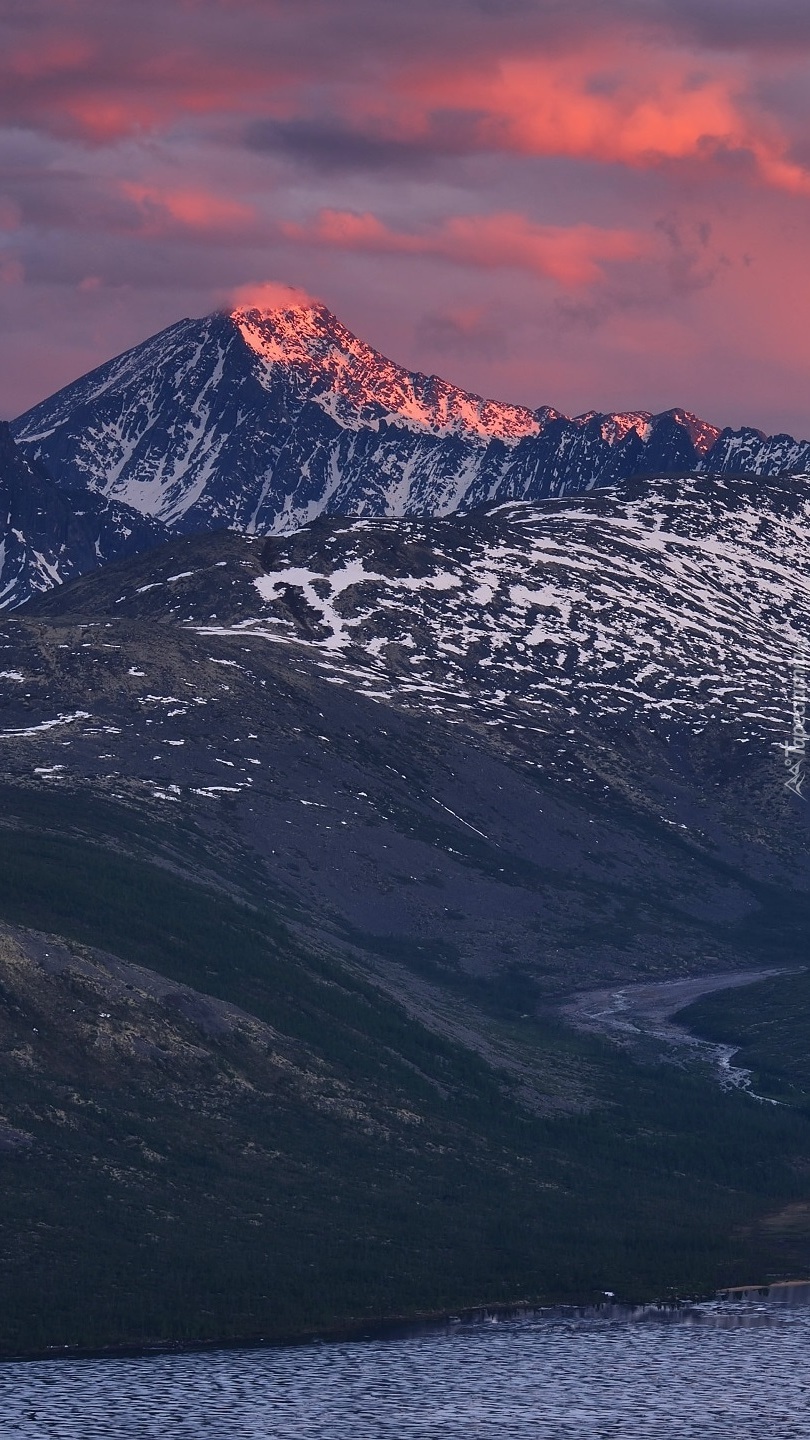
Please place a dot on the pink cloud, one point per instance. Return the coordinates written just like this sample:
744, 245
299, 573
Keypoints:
635, 90
103, 73
193, 209
269, 295
12, 271
571, 255
631, 104
647, 160
46, 57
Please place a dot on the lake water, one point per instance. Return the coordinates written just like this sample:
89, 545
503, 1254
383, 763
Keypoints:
733, 1369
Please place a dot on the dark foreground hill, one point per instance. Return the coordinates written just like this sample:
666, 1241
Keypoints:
304, 848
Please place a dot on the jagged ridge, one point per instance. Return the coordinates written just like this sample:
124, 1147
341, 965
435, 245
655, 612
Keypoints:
260, 421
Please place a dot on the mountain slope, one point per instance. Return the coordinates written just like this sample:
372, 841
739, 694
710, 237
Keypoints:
280, 1149
676, 601
260, 421
353, 873
385, 709
49, 535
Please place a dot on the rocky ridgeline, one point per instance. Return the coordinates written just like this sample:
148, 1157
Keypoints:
260, 422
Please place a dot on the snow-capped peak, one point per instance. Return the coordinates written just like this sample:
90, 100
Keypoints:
356, 384
266, 416
613, 428
700, 432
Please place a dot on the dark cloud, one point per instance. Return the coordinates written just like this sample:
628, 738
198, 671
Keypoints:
693, 262
463, 332
733, 24
329, 145
689, 261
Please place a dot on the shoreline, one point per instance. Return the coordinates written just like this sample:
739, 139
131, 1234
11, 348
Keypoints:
404, 1327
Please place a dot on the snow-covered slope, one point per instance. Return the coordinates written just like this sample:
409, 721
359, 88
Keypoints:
679, 602
551, 733
260, 421
677, 605
49, 535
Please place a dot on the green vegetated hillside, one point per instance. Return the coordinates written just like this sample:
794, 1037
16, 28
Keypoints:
212, 1129
770, 1022
281, 968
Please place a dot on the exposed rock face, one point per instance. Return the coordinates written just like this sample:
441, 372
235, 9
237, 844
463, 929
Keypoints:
260, 421
49, 535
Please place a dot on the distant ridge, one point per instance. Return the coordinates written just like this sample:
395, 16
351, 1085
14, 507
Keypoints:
260, 421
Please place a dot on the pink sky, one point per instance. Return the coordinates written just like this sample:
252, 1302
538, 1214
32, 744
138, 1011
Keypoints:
596, 204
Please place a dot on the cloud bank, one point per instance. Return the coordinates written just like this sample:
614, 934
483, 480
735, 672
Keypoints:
583, 204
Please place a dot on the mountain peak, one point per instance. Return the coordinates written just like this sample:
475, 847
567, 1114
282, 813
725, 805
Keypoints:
357, 385
700, 432
306, 334
268, 415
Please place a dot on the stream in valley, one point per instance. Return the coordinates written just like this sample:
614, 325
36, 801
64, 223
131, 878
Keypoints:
639, 1017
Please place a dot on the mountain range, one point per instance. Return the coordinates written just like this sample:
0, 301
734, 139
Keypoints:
342, 781
261, 421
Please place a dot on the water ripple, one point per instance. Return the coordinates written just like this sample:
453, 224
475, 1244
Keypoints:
721, 1370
